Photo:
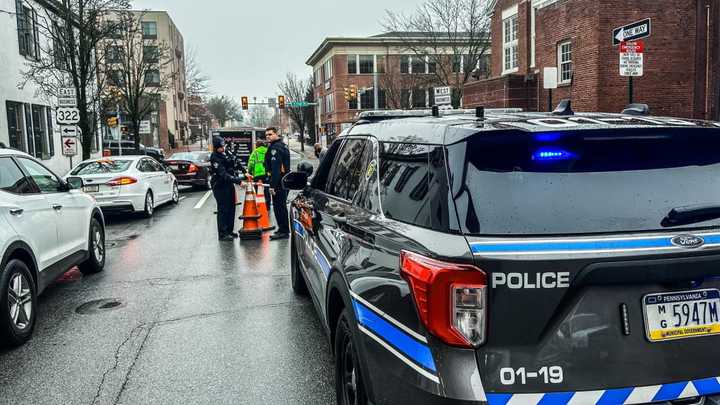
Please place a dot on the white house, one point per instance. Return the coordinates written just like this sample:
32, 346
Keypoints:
27, 119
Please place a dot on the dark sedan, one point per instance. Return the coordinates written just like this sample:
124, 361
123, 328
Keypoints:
191, 168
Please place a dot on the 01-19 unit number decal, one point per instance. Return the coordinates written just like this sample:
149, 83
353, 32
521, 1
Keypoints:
546, 374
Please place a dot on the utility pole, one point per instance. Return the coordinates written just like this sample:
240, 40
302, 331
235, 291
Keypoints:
119, 127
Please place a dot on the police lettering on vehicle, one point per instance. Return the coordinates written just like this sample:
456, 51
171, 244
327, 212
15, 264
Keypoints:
520, 281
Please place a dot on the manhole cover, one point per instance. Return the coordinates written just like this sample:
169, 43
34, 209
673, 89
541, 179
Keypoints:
107, 304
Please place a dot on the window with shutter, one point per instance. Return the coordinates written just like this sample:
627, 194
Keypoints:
20, 26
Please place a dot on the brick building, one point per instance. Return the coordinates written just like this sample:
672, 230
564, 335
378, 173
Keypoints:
404, 79
682, 56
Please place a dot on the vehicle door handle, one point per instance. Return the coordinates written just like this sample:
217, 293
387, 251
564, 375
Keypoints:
57, 207
16, 211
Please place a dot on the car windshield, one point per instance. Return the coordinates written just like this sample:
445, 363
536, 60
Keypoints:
192, 156
578, 182
102, 167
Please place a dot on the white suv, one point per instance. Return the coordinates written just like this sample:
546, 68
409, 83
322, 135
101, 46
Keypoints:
46, 228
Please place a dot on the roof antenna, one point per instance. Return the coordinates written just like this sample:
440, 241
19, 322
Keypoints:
564, 108
436, 111
480, 113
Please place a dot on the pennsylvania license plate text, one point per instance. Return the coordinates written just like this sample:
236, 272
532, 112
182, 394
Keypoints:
681, 315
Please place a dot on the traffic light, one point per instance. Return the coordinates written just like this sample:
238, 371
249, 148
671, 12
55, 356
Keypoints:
281, 102
112, 122
245, 103
347, 94
353, 92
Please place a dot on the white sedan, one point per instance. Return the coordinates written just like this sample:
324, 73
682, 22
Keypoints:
128, 183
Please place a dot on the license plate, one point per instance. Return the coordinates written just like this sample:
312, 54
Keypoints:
680, 315
91, 189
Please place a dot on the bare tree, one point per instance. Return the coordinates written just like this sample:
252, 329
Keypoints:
295, 89
224, 109
397, 85
196, 81
260, 116
310, 112
74, 31
450, 33
135, 69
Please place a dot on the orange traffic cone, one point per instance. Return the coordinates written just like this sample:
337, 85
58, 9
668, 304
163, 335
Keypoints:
250, 216
263, 209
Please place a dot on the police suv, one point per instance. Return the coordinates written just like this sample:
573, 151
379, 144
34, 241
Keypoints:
504, 257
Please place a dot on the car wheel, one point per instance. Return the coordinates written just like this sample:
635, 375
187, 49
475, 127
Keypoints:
349, 384
175, 194
298, 282
18, 302
149, 205
96, 261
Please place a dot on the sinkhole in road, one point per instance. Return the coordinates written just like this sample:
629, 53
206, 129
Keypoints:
101, 305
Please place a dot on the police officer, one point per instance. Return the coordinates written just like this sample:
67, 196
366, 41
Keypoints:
277, 162
223, 181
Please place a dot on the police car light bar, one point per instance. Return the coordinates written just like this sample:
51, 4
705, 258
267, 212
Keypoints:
390, 114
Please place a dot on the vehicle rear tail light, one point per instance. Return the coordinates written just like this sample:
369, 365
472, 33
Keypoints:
193, 169
122, 181
451, 299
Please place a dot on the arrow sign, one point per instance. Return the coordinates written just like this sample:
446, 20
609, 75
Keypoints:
69, 145
69, 130
631, 32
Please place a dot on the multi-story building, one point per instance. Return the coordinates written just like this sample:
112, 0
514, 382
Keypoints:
403, 79
681, 58
27, 119
170, 123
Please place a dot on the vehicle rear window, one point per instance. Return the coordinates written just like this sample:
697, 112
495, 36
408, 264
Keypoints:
413, 185
102, 167
579, 182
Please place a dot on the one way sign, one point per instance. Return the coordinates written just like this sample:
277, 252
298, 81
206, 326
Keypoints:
631, 32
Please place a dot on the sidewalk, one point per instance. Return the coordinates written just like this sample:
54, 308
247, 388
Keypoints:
309, 152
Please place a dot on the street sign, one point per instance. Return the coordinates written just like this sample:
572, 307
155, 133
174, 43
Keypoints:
66, 92
69, 146
300, 104
68, 115
443, 96
68, 130
631, 58
550, 76
67, 102
145, 128
631, 32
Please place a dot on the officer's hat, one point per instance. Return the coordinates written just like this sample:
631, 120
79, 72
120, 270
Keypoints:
218, 142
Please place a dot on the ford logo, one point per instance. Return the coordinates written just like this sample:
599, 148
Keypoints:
688, 241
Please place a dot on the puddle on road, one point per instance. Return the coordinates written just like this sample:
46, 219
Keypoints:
101, 305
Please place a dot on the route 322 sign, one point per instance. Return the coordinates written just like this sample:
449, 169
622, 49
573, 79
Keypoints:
68, 115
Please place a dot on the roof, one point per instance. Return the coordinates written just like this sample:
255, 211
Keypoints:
387, 39
421, 127
7, 152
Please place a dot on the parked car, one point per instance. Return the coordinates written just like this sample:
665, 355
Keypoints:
47, 226
128, 149
515, 258
128, 183
191, 169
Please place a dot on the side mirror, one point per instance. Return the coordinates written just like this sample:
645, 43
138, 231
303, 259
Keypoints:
75, 183
295, 181
305, 167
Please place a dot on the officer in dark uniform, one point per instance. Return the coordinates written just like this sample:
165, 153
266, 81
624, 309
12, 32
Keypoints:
223, 181
277, 163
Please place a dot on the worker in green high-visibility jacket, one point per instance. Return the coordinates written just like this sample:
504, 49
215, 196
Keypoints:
256, 167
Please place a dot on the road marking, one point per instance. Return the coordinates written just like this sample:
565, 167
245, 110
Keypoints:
203, 200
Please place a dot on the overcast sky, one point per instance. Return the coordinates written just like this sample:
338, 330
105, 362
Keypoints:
247, 46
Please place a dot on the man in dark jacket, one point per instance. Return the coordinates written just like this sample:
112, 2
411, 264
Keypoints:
277, 163
223, 187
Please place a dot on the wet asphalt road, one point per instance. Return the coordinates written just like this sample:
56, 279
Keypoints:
199, 321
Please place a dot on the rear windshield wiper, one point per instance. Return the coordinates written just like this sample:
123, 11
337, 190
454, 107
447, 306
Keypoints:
691, 214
